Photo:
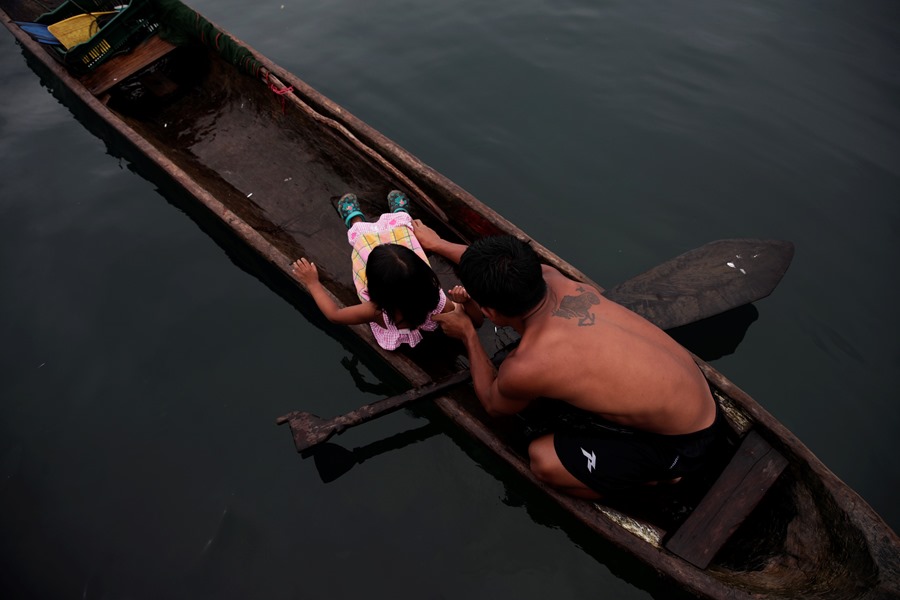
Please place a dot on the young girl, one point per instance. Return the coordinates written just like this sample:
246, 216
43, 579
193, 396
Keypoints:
399, 292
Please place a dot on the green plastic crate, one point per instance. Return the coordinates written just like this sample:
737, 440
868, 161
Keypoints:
131, 26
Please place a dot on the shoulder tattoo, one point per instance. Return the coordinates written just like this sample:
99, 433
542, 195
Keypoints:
578, 307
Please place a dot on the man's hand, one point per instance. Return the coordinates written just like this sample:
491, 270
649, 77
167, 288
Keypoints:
455, 323
432, 242
305, 272
427, 236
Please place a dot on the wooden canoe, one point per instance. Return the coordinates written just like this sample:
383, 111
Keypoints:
776, 523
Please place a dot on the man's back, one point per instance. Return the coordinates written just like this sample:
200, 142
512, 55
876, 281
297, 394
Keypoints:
594, 354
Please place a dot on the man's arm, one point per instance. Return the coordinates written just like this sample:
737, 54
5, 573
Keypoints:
432, 242
485, 377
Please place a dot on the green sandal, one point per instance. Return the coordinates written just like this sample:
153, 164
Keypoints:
397, 201
348, 208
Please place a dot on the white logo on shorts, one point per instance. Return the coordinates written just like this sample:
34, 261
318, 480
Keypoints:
592, 459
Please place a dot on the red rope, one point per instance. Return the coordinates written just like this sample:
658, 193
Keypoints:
281, 92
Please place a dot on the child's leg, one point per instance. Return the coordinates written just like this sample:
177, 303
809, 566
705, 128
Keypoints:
348, 208
397, 201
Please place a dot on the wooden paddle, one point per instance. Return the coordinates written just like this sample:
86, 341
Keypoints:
309, 430
706, 281
702, 283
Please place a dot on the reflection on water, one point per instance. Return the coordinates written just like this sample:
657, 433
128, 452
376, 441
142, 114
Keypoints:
717, 336
333, 460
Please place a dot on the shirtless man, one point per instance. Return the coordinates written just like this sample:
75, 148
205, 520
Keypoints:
589, 352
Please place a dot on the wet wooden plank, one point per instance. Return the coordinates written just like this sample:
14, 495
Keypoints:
751, 472
119, 68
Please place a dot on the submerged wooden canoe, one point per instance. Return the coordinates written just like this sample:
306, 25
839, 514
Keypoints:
265, 154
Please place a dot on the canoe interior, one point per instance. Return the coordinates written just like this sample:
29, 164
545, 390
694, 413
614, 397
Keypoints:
271, 165
279, 171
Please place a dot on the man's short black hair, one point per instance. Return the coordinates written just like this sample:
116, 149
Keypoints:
503, 273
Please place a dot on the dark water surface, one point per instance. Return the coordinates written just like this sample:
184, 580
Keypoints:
142, 368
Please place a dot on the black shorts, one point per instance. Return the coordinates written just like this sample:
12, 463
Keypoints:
613, 459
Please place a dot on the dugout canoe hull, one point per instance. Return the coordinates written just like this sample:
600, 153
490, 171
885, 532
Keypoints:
811, 536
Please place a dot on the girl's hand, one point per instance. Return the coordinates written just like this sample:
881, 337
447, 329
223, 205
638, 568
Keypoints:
305, 272
427, 236
459, 295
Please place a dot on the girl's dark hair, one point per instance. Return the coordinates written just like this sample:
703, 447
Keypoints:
402, 284
503, 273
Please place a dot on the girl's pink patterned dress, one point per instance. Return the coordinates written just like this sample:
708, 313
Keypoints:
390, 228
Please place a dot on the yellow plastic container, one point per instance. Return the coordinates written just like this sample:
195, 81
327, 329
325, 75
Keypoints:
78, 29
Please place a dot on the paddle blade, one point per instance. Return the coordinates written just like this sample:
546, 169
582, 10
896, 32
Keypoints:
39, 33
707, 281
307, 429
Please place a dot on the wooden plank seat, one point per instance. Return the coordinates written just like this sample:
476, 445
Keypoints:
753, 469
120, 67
